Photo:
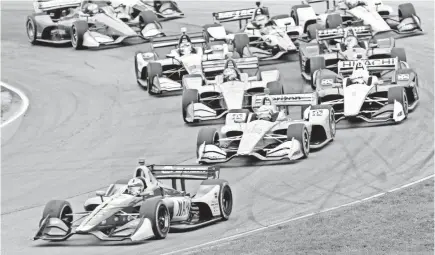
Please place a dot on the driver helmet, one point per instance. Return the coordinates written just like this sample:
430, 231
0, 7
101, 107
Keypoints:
267, 101
92, 8
350, 42
354, 3
230, 74
358, 79
135, 186
186, 48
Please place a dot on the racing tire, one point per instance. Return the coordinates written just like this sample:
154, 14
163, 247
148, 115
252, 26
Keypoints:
58, 209
294, 13
241, 41
400, 53
205, 32
147, 17
312, 30
316, 63
300, 132
398, 94
78, 30
136, 70
154, 69
333, 21
31, 30
157, 212
406, 11
332, 123
189, 96
275, 88
209, 135
225, 197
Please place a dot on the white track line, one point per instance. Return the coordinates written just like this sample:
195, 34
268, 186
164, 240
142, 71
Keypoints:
24, 104
215, 242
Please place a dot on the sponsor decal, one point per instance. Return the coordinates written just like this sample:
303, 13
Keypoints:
183, 208
317, 113
403, 77
327, 82
341, 31
238, 117
367, 62
235, 14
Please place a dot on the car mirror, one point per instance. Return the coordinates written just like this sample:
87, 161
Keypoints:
100, 193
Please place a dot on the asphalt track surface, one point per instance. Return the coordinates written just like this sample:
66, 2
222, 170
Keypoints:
88, 122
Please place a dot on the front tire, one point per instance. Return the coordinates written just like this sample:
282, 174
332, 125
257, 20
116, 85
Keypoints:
208, 136
78, 30
31, 30
158, 213
299, 132
398, 94
58, 209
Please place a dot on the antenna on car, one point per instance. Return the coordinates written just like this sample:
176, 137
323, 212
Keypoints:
141, 161
183, 30
258, 3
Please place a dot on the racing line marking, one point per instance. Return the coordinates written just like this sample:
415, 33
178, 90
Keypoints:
24, 105
215, 242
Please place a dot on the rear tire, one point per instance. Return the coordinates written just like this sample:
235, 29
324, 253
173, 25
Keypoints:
58, 209
189, 96
316, 63
398, 94
225, 197
275, 88
294, 12
157, 212
299, 132
333, 21
332, 124
399, 53
78, 30
240, 42
312, 30
209, 135
147, 17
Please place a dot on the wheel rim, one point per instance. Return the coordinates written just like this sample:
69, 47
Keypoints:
63, 215
405, 104
163, 219
227, 202
74, 36
30, 30
333, 124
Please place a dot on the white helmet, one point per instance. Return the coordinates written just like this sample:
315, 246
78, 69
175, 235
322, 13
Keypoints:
230, 74
350, 42
135, 186
92, 8
185, 48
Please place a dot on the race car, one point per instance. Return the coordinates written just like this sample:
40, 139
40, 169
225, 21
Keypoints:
165, 75
359, 12
268, 38
84, 24
350, 43
267, 133
232, 89
129, 9
142, 207
373, 90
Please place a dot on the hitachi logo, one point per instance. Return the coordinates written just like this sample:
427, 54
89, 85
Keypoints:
368, 62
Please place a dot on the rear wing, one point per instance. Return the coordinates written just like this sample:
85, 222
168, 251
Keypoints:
235, 15
219, 65
309, 2
336, 33
385, 64
286, 100
171, 41
47, 5
184, 172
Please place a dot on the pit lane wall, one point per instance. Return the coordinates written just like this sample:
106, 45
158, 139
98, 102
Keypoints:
11, 125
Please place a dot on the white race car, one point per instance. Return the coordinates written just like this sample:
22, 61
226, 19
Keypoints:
211, 100
275, 137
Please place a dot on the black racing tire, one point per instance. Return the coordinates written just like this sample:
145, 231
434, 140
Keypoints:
400, 53
31, 30
333, 20
332, 123
294, 13
157, 212
147, 17
300, 132
398, 94
58, 209
153, 69
209, 135
189, 96
225, 196
406, 11
241, 41
275, 88
78, 30
316, 63
136, 70
312, 30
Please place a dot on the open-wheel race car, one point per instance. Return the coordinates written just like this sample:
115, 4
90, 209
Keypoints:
359, 12
268, 133
373, 90
164, 10
268, 37
349, 43
142, 207
236, 81
85, 24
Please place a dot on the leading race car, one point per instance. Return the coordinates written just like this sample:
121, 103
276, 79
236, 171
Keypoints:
231, 89
268, 134
351, 43
165, 75
142, 207
363, 12
268, 38
84, 24
374, 90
